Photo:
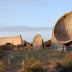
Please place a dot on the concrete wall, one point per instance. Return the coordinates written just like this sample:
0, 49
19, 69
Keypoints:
63, 28
62, 32
14, 40
38, 42
56, 45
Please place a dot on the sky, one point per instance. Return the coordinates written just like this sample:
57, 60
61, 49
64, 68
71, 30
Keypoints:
33, 13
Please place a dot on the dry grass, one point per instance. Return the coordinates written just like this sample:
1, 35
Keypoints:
2, 67
31, 65
45, 59
64, 65
27, 65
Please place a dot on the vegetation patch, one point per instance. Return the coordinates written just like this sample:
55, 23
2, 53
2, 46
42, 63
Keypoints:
27, 65
47, 43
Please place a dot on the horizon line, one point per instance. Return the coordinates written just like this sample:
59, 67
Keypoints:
26, 26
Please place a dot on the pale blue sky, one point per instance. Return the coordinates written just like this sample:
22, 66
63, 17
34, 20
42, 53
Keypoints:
33, 13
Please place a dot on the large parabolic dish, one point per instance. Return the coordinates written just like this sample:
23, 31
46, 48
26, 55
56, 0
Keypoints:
63, 28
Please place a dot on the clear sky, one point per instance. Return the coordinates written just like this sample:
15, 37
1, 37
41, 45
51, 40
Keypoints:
33, 13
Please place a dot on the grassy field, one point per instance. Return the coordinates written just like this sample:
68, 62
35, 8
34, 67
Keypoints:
42, 55
45, 56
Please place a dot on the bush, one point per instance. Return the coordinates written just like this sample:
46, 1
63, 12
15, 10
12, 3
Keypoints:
67, 63
20, 45
2, 67
7, 46
25, 42
28, 65
47, 43
31, 65
1, 53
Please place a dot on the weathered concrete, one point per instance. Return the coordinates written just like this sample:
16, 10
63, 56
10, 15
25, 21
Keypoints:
62, 32
38, 42
14, 40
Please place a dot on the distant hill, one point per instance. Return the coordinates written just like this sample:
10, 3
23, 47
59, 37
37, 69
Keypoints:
22, 28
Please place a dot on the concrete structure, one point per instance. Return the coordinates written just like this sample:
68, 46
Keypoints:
13, 40
62, 33
38, 42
